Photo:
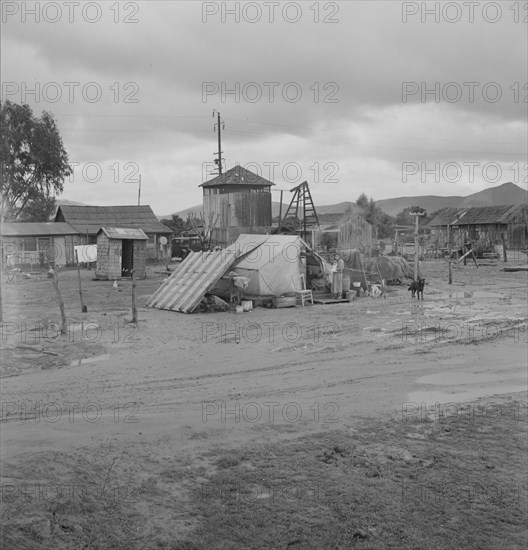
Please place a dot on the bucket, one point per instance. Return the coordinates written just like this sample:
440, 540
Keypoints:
247, 305
350, 295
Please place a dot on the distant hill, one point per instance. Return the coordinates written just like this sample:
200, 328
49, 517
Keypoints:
507, 193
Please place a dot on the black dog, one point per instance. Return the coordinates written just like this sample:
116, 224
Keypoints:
417, 287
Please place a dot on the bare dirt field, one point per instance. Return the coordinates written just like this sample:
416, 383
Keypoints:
380, 423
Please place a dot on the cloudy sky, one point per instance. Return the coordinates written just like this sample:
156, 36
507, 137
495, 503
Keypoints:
382, 97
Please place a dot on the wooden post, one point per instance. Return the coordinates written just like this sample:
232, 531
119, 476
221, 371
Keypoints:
450, 273
84, 309
55, 281
134, 301
504, 254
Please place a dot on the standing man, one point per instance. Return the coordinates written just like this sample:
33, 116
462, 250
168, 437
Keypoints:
337, 277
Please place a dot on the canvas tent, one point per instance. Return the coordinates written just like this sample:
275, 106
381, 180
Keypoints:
269, 262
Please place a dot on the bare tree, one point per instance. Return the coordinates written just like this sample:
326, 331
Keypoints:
204, 227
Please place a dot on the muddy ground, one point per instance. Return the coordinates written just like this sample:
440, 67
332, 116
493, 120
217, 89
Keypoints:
311, 427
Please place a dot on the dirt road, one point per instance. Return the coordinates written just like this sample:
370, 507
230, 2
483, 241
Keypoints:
186, 384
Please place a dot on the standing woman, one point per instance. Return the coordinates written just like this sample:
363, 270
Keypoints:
337, 277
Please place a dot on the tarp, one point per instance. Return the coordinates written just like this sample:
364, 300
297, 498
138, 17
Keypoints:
86, 253
354, 267
394, 269
273, 264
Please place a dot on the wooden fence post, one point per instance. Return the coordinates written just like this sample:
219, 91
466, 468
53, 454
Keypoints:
55, 281
84, 309
450, 273
134, 301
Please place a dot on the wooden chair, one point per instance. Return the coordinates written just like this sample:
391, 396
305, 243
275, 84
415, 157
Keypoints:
301, 292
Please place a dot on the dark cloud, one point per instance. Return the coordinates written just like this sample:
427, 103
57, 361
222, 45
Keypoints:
349, 78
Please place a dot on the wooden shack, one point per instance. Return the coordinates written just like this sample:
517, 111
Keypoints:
356, 233
119, 251
239, 201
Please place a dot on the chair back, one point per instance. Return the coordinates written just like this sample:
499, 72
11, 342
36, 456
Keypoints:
299, 282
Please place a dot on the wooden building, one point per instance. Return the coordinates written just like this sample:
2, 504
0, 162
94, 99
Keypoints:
87, 220
119, 251
355, 232
38, 243
238, 201
484, 226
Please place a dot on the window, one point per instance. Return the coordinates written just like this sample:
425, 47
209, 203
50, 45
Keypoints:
30, 244
151, 239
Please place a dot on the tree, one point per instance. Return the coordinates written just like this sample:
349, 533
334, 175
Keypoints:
177, 225
33, 163
204, 228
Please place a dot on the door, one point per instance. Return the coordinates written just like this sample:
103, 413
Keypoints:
127, 258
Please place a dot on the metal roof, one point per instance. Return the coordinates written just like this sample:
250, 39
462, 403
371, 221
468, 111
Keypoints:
37, 229
147, 227
134, 234
444, 217
486, 215
89, 219
238, 176
189, 282
475, 215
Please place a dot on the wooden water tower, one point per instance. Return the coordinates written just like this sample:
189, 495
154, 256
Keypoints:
240, 201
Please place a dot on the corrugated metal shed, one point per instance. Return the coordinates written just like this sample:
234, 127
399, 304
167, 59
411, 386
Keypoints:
237, 176
124, 233
89, 219
189, 282
37, 229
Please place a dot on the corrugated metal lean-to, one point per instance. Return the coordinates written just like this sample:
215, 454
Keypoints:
189, 282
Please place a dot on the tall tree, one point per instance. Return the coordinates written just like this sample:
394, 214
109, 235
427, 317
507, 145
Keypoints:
33, 163
177, 224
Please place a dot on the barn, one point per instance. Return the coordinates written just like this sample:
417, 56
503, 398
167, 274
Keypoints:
119, 251
238, 201
484, 226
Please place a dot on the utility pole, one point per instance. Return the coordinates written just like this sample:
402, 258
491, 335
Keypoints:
139, 190
417, 212
221, 126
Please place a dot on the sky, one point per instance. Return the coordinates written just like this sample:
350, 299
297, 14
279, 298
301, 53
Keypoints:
387, 98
